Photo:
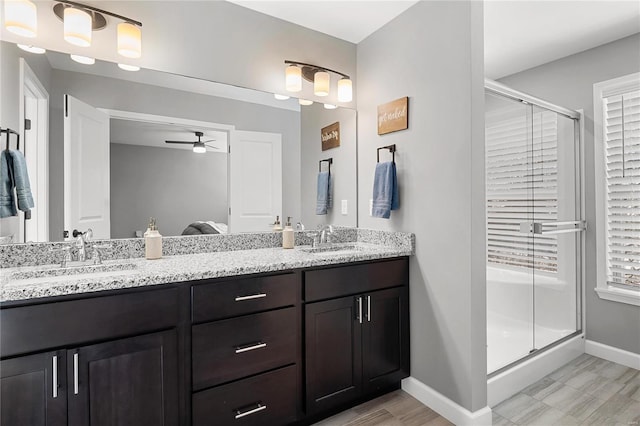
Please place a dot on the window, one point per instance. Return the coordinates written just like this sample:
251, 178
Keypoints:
617, 145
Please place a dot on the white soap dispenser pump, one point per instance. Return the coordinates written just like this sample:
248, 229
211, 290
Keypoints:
288, 236
152, 241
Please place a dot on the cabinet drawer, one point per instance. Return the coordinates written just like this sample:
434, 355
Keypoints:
37, 327
229, 349
345, 280
237, 297
266, 399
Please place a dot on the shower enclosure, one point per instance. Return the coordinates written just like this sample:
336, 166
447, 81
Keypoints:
534, 225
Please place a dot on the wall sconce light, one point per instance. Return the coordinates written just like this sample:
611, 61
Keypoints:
21, 17
320, 78
80, 20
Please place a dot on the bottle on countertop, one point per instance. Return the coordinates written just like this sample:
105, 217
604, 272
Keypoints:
288, 236
152, 241
277, 226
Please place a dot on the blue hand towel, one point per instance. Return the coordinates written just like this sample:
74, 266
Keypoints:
324, 199
18, 166
385, 190
7, 203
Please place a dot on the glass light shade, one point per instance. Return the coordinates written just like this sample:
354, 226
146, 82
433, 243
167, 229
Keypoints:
32, 49
345, 90
330, 106
293, 78
129, 67
129, 40
305, 102
77, 27
85, 60
321, 83
280, 97
21, 17
199, 148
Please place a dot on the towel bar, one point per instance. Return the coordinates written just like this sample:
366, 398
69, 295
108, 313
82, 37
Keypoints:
10, 132
392, 150
329, 161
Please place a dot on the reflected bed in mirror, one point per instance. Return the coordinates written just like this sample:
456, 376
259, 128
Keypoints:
113, 176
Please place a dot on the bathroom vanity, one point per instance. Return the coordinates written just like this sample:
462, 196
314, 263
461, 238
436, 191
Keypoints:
262, 336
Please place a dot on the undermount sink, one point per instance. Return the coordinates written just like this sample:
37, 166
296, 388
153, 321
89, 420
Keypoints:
78, 269
331, 248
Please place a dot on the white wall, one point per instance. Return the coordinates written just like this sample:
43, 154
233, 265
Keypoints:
343, 170
569, 82
433, 53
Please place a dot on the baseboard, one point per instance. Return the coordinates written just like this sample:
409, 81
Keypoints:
447, 408
613, 354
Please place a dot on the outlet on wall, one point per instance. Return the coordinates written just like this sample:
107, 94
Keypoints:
344, 208
370, 206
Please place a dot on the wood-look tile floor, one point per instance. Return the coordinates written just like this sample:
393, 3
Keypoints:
397, 408
587, 391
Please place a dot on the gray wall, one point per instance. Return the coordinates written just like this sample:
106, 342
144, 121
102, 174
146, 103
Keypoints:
175, 186
214, 40
10, 103
569, 82
343, 169
433, 53
117, 94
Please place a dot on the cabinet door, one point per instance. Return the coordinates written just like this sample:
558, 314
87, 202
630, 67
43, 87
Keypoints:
333, 353
124, 382
32, 390
385, 338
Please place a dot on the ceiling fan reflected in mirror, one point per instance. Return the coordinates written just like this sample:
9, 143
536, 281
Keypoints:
199, 146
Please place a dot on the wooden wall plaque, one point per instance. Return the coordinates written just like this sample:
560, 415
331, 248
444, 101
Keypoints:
393, 116
330, 136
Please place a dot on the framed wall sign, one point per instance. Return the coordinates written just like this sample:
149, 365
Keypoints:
330, 136
393, 116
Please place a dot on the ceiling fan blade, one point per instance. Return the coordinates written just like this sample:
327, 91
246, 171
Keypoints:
210, 140
211, 146
190, 143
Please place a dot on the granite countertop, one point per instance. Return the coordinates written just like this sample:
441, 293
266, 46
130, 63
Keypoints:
27, 282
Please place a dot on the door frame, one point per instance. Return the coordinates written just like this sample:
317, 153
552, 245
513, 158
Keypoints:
31, 86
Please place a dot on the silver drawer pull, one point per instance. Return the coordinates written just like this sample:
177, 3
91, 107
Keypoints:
241, 414
250, 297
252, 347
75, 373
55, 376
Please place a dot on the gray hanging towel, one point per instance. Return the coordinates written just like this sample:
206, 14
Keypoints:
18, 166
7, 202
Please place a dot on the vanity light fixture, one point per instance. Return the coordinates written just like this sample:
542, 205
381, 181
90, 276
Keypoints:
21, 17
320, 78
77, 27
32, 49
85, 60
129, 67
305, 102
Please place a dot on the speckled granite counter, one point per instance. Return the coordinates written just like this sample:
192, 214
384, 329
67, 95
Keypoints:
138, 272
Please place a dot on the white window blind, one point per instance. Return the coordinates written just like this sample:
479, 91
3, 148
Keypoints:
622, 159
522, 186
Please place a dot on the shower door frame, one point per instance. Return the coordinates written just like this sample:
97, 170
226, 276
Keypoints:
496, 88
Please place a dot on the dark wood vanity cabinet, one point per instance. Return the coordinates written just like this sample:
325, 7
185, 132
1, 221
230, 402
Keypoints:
270, 349
355, 345
245, 349
121, 380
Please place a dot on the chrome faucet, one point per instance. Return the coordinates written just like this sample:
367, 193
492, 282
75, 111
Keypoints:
326, 231
82, 238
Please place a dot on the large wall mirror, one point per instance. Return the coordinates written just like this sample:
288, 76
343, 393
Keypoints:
107, 149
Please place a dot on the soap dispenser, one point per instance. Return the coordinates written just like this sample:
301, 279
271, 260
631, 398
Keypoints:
277, 226
152, 241
288, 236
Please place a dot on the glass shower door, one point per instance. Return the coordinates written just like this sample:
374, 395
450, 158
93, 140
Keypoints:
510, 252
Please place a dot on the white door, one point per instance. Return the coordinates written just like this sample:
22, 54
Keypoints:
255, 180
86, 169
